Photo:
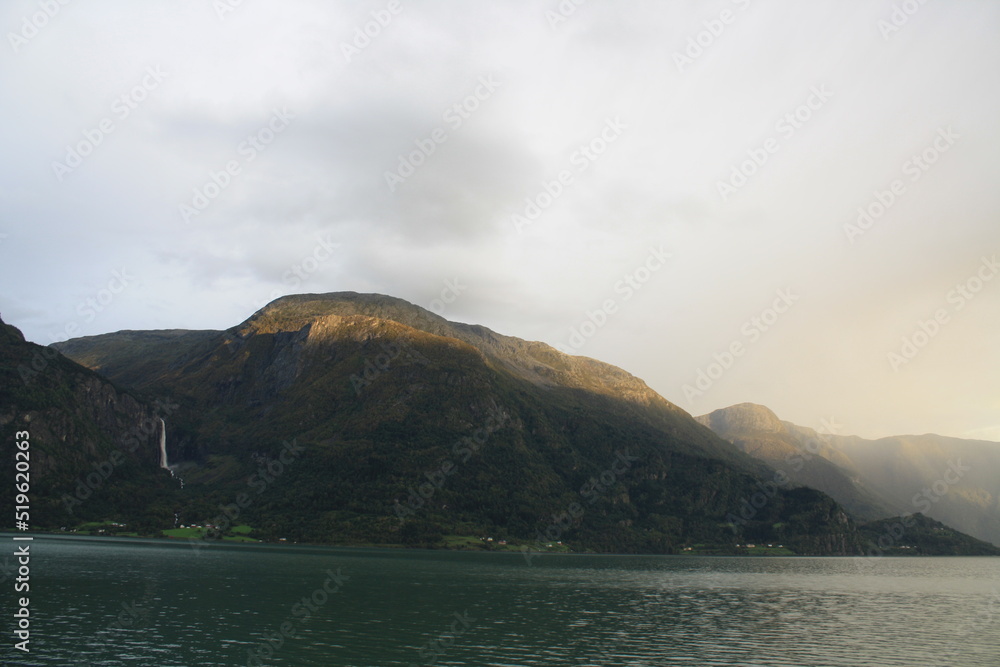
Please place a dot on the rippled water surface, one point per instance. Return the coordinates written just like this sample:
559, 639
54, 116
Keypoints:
118, 602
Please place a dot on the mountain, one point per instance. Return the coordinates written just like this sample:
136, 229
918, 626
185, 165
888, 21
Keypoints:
757, 431
951, 480
357, 418
919, 535
93, 448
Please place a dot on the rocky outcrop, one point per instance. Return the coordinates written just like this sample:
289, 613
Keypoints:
80, 424
742, 420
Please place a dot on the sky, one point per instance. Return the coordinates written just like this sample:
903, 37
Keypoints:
792, 204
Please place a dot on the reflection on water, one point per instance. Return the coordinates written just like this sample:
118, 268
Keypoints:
131, 602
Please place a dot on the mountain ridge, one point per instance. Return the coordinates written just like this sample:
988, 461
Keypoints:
952, 480
379, 389
92, 443
416, 430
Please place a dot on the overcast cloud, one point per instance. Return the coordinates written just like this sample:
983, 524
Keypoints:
822, 105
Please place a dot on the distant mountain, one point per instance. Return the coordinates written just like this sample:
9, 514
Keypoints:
411, 429
951, 480
757, 431
94, 448
918, 535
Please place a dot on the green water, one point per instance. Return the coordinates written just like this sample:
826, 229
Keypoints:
133, 602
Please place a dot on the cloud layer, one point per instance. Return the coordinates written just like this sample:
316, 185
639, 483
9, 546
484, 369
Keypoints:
217, 155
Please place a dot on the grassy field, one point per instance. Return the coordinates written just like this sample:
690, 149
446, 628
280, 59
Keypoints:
769, 551
239, 534
472, 542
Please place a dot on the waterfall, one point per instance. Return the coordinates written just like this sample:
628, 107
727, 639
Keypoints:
163, 445
163, 457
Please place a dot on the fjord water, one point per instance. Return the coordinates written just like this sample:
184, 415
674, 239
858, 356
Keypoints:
149, 602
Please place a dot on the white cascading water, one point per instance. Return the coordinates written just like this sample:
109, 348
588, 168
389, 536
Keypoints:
163, 455
163, 445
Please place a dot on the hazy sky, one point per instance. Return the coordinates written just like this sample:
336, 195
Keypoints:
667, 171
